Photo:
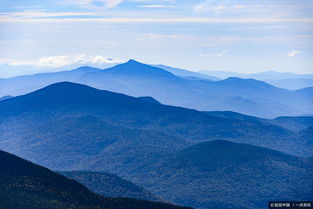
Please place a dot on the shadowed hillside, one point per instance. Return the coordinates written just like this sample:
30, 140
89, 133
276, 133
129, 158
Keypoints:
24, 185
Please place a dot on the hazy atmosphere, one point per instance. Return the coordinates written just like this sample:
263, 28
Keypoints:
156, 104
240, 35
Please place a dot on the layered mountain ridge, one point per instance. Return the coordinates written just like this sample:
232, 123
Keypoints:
182, 155
136, 79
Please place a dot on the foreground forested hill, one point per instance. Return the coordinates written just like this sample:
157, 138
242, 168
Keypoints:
24, 185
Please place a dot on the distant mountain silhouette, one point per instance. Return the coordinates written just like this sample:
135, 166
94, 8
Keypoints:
292, 84
110, 185
137, 79
24, 185
186, 73
240, 83
221, 174
128, 70
267, 75
24, 84
221, 74
279, 75
246, 96
25, 116
290, 81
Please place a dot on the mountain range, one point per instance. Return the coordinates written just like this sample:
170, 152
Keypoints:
185, 89
267, 75
24, 185
151, 125
179, 154
290, 81
59, 109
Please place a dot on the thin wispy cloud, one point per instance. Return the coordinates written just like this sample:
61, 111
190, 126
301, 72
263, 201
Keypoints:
41, 14
60, 60
33, 17
220, 7
156, 6
35, 10
131, 28
168, 36
211, 5
94, 3
247, 6
114, 3
222, 53
294, 53
219, 54
208, 5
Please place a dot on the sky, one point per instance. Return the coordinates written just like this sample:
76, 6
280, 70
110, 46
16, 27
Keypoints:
245, 36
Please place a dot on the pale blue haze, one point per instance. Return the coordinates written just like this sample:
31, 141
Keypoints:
242, 36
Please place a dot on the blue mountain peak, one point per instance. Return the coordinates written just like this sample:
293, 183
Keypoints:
132, 61
137, 68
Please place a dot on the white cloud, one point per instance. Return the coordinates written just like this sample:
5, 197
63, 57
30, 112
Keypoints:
35, 10
208, 5
110, 3
41, 14
219, 7
168, 36
294, 53
44, 18
157, 6
247, 6
222, 53
94, 3
60, 60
